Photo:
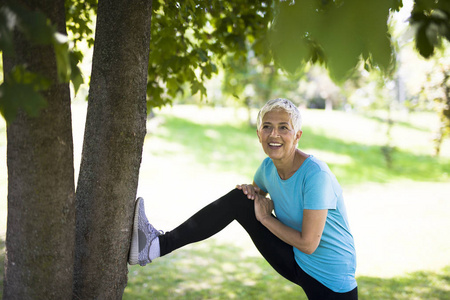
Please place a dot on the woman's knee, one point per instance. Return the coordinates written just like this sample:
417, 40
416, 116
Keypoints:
238, 199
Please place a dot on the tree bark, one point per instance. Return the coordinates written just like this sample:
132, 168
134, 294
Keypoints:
41, 210
112, 150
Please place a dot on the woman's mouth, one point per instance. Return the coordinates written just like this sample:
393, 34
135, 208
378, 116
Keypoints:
275, 145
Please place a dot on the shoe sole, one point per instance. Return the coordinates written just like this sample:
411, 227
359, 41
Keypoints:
133, 258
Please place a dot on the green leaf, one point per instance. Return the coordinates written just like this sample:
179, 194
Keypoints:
33, 24
20, 90
432, 20
15, 96
7, 22
195, 87
201, 53
397, 4
75, 76
63, 61
172, 85
19, 75
335, 32
38, 30
423, 44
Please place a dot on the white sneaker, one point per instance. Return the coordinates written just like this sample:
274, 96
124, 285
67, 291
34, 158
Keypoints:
143, 235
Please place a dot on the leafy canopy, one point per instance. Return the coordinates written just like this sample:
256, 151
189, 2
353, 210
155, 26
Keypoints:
337, 33
193, 39
431, 18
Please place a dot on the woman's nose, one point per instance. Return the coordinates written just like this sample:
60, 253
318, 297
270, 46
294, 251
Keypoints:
274, 132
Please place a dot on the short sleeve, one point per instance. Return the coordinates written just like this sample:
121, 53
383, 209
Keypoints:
260, 175
319, 192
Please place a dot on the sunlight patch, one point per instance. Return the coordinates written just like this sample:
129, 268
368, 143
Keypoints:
213, 134
330, 157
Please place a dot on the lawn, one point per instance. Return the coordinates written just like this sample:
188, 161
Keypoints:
210, 270
351, 145
399, 215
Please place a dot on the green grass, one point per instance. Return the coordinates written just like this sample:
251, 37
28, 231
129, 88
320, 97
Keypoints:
354, 159
209, 270
220, 147
366, 163
416, 285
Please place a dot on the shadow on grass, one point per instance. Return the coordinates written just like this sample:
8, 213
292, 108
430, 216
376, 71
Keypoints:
236, 148
209, 270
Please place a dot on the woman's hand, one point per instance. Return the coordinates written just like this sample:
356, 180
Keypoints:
248, 189
263, 207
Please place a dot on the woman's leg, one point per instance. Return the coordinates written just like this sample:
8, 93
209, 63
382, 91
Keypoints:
217, 215
314, 290
236, 206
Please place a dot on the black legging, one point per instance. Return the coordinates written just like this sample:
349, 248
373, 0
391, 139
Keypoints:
236, 206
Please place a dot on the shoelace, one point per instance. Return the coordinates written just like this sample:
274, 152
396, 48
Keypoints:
155, 233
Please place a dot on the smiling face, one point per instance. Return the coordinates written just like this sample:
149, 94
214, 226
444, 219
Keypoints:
277, 135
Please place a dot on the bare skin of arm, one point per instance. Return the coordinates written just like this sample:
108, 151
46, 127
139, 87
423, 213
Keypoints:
251, 190
313, 224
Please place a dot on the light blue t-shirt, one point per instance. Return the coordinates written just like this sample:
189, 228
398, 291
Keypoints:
313, 186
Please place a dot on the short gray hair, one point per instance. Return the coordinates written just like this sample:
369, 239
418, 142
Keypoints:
285, 105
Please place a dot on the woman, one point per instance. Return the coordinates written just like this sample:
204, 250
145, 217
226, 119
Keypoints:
307, 241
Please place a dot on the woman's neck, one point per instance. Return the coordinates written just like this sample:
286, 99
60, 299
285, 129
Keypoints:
287, 167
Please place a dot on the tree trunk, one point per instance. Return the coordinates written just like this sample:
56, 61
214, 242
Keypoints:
112, 149
41, 212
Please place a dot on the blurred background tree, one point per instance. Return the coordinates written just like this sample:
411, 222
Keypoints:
435, 94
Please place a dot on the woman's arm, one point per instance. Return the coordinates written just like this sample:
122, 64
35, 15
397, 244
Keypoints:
313, 224
306, 240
